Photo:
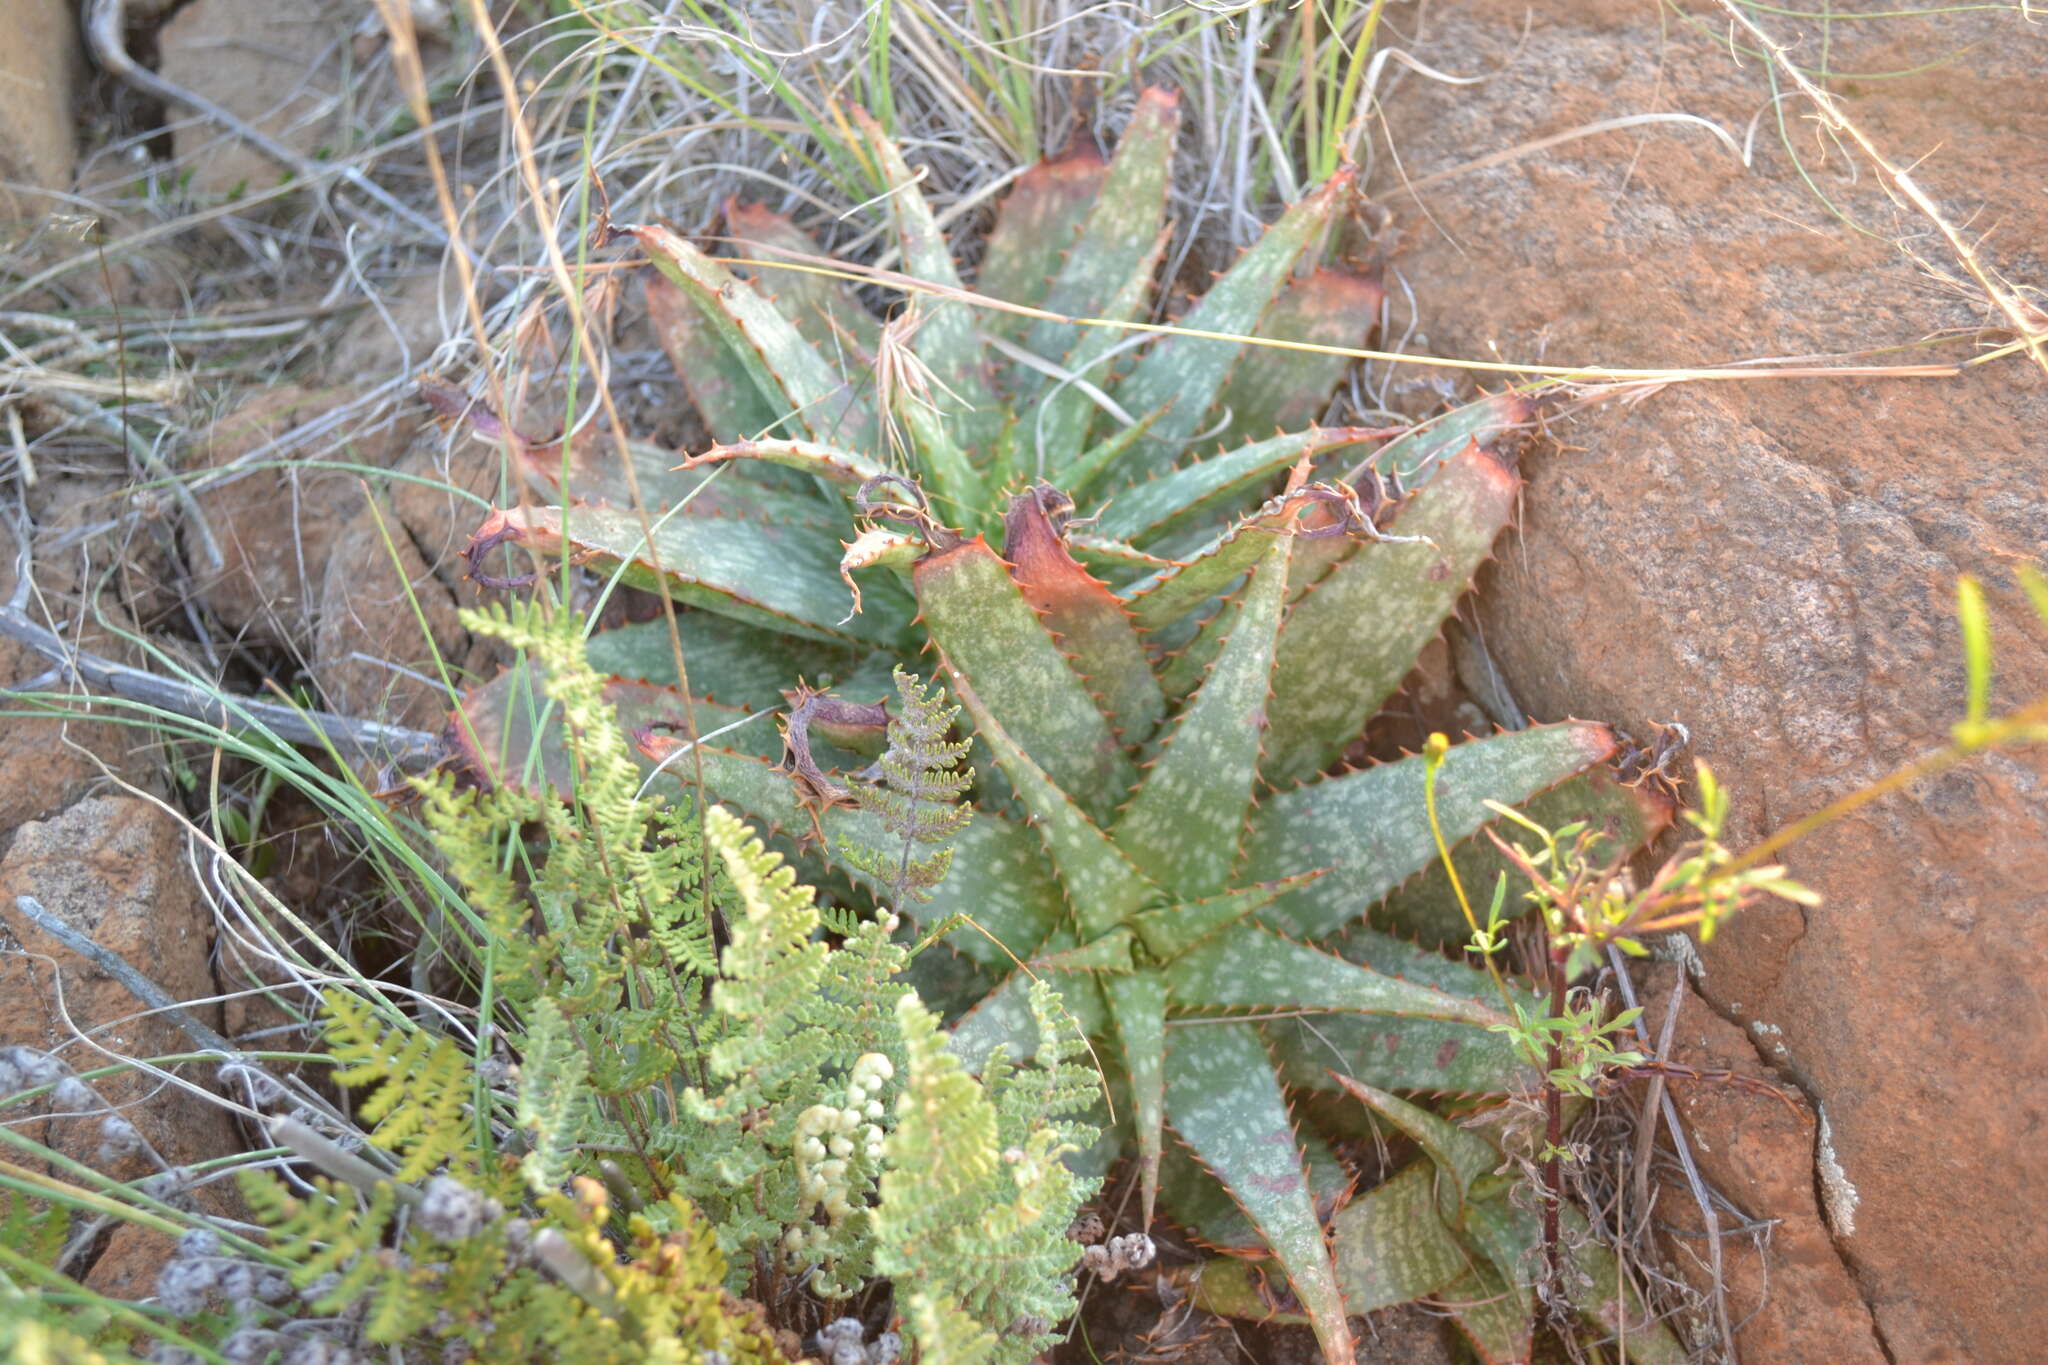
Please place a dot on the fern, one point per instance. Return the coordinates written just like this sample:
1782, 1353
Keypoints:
551, 1098
421, 1084
977, 1199
920, 794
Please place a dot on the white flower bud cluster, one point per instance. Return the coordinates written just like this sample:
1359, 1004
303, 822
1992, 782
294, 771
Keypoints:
453, 1212
837, 1149
841, 1343
1110, 1259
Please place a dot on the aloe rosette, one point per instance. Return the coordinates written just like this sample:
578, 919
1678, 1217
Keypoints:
1160, 691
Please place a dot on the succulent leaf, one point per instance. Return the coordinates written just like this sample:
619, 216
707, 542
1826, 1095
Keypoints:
1461, 1157
1371, 829
1003, 1017
729, 662
1246, 967
847, 468
1035, 226
1172, 930
1397, 1052
1142, 514
1195, 1201
1108, 271
1276, 389
1406, 590
1426, 906
1104, 887
796, 381
1083, 615
1224, 1103
721, 385
1137, 1007
823, 309
1190, 371
994, 644
776, 577
1185, 823
1391, 1244
945, 339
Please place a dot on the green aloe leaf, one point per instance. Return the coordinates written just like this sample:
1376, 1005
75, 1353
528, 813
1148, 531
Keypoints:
1191, 646
1629, 817
720, 383
1397, 1052
1461, 1157
596, 475
510, 731
999, 880
1490, 1318
993, 642
1084, 616
1036, 224
1111, 954
825, 310
945, 339
1137, 1006
1223, 1101
846, 468
777, 577
1140, 515
1391, 1245
1372, 829
796, 381
1484, 420
1116, 238
729, 662
1103, 886
1189, 371
1172, 930
1058, 426
1161, 598
1184, 825
1275, 389
1405, 590
1246, 967
1191, 1196
1512, 1238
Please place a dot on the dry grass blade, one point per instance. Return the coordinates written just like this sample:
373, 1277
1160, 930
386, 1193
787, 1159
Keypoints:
2028, 322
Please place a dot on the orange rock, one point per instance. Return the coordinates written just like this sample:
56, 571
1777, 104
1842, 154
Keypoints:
1774, 564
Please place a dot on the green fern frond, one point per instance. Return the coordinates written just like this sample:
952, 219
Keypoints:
920, 796
421, 1084
977, 1199
552, 1097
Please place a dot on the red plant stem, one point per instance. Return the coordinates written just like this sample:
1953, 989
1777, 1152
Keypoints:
1553, 1105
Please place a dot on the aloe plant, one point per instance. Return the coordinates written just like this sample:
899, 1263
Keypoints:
1163, 688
